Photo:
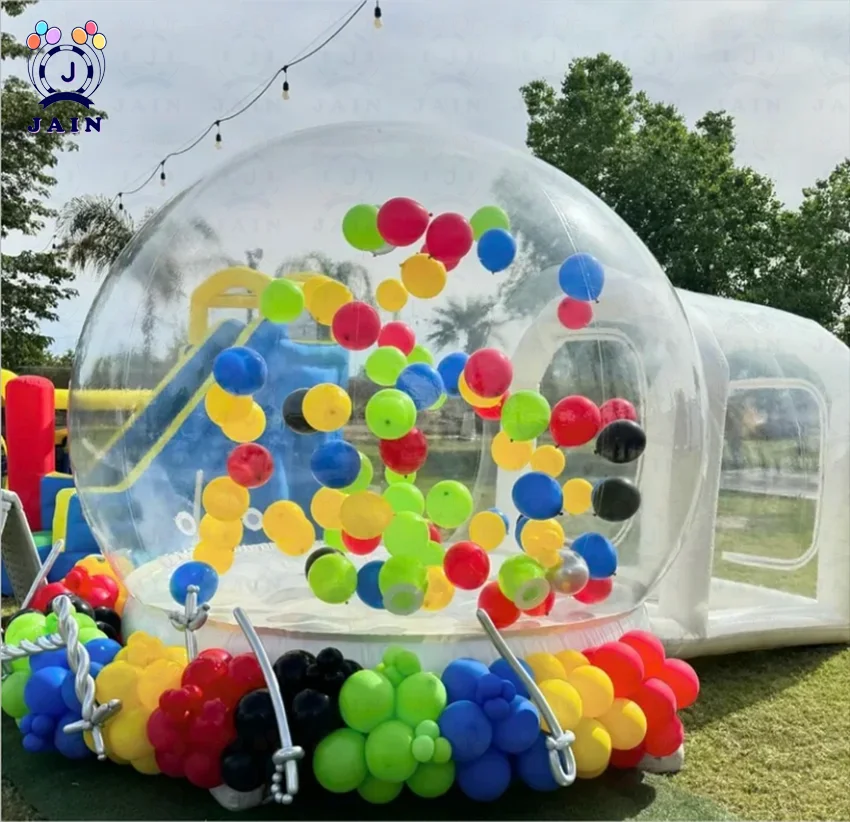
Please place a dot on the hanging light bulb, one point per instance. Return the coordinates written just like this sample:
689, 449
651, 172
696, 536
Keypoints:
285, 92
217, 135
162, 176
378, 23
120, 202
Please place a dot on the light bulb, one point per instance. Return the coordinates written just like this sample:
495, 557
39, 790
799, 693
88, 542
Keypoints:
218, 141
378, 23
285, 94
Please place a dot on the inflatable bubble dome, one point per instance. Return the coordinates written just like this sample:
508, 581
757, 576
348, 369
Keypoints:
370, 377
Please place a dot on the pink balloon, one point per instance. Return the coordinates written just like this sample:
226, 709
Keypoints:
449, 237
402, 221
574, 314
617, 409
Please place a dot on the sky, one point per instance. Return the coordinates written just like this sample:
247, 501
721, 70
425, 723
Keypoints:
782, 68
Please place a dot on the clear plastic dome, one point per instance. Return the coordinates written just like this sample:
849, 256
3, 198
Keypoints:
141, 455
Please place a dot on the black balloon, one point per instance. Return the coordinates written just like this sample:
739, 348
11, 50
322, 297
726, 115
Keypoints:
293, 412
255, 721
290, 671
615, 499
319, 552
241, 769
108, 616
314, 716
80, 606
326, 680
109, 630
349, 667
621, 441
330, 659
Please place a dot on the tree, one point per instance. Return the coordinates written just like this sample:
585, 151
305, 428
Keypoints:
468, 325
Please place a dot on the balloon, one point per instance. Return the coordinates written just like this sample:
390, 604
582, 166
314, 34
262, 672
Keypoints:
596, 591
240, 770
577, 496
440, 403
440, 591
420, 697
598, 552
657, 702
449, 504
193, 573
581, 277
364, 476
575, 421
388, 751
544, 608
683, 681
472, 398
318, 553
486, 218
339, 761
378, 791
625, 723
420, 354
312, 284
666, 740
449, 237
399, 336
461, 678
466, 727
571, 659
496, 249
422, 383
621, 441
402, 221
432, 779
216, 556
390, 414
485, 779
617, 409
594, 687
333, 578
406, 535
12, 694
508, 454
592, 748
250, 465
488, 529
391, 295
523, 581
367, 584
327, 299
626, 760
239, 370
548, 459
565, 702
393, 478
405, 497
497, 606
384, 365
649, 648
281, 517
293, 412
540, 538
402, 582
488, 373
525, 415
325, 507
360, 227
466, 565
570, 575
574, 314
537, 496
622, 664
360, 547
533, 767
29, 624
615, 499
222, 407
356, 326
365, 515
493, 412
335, 464
451, 367
326, 407
423, 276
225, 500
282, 301
248, 428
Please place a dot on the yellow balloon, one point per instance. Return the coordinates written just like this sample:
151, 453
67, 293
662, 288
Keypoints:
146, 765
127, 736
144, 649
594, 687
542, 537
326, 506
223, 408
222, 534
439, 592
577, 496
118, 680
592, 748
365, 515
219, 557
161, 675
280, 517
571, 659
472, 398
327, 407
391, 295
548, 459
510, 455
545, 666
247, 429
564, 701
121, 656
225, 500
625, 723
487, 529
178, 655
311, 285
423, 276
327, 299
298, 540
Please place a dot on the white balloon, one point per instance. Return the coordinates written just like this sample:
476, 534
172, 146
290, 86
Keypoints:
571, 575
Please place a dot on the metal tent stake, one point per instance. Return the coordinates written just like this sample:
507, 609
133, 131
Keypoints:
192, 619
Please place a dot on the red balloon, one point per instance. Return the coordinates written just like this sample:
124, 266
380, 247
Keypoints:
250, 465
488, 372
75, 579
449, 265
497, 606
46, 593
202, 768
246, 674
356, 326
406, 454
596, 591
213, 727
170, 763
162, 733
657, 701
683, 681
616, 409
666, 740
216, 653
466, 565
181, 704
361, 547
434, 533
204, 672
574, 314
625, 760
545, 607
449, 237
399, 336
650, 649
494, 412
402, 221
623, 665
575, 421
100, 598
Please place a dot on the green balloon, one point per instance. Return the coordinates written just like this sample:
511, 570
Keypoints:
420, 697
333, 578
525, 415
390, 673
339, 762
333, 539
432, 780
428, 727
85, 622
21, 665
407, 535
404, 661
366, 700
442, 750
389, 754
441, 401
282, 301
379, 792
360, 227
30, 627
488, 217
88, 634
402, 582
423, 748
394, 479
384, 365
449, 504
364, 478
420, 354
405, 496
434, 553
12, 694
390, 414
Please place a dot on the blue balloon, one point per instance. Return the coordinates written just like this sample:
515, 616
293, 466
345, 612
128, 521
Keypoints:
239, 370
466, 726
599, 553
25, 724
581, 277
367, 584
41, 27
520, 524
504, 517
69, 694
43, 725
102, 650
43, 691
517, 732
485, 779
335, 464
450, 368
422, 383
71, 746
49, 659
37, 744
461, 679
193, 573
501, 668
496, 249
538, 496
532, 767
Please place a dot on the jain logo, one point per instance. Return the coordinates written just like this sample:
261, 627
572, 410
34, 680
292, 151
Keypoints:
66, 72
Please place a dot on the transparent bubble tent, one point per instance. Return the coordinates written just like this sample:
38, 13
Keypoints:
742, 538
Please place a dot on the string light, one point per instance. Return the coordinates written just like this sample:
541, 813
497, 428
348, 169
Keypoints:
162, 174
285, 92
218, 134
120, 201
378, 23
